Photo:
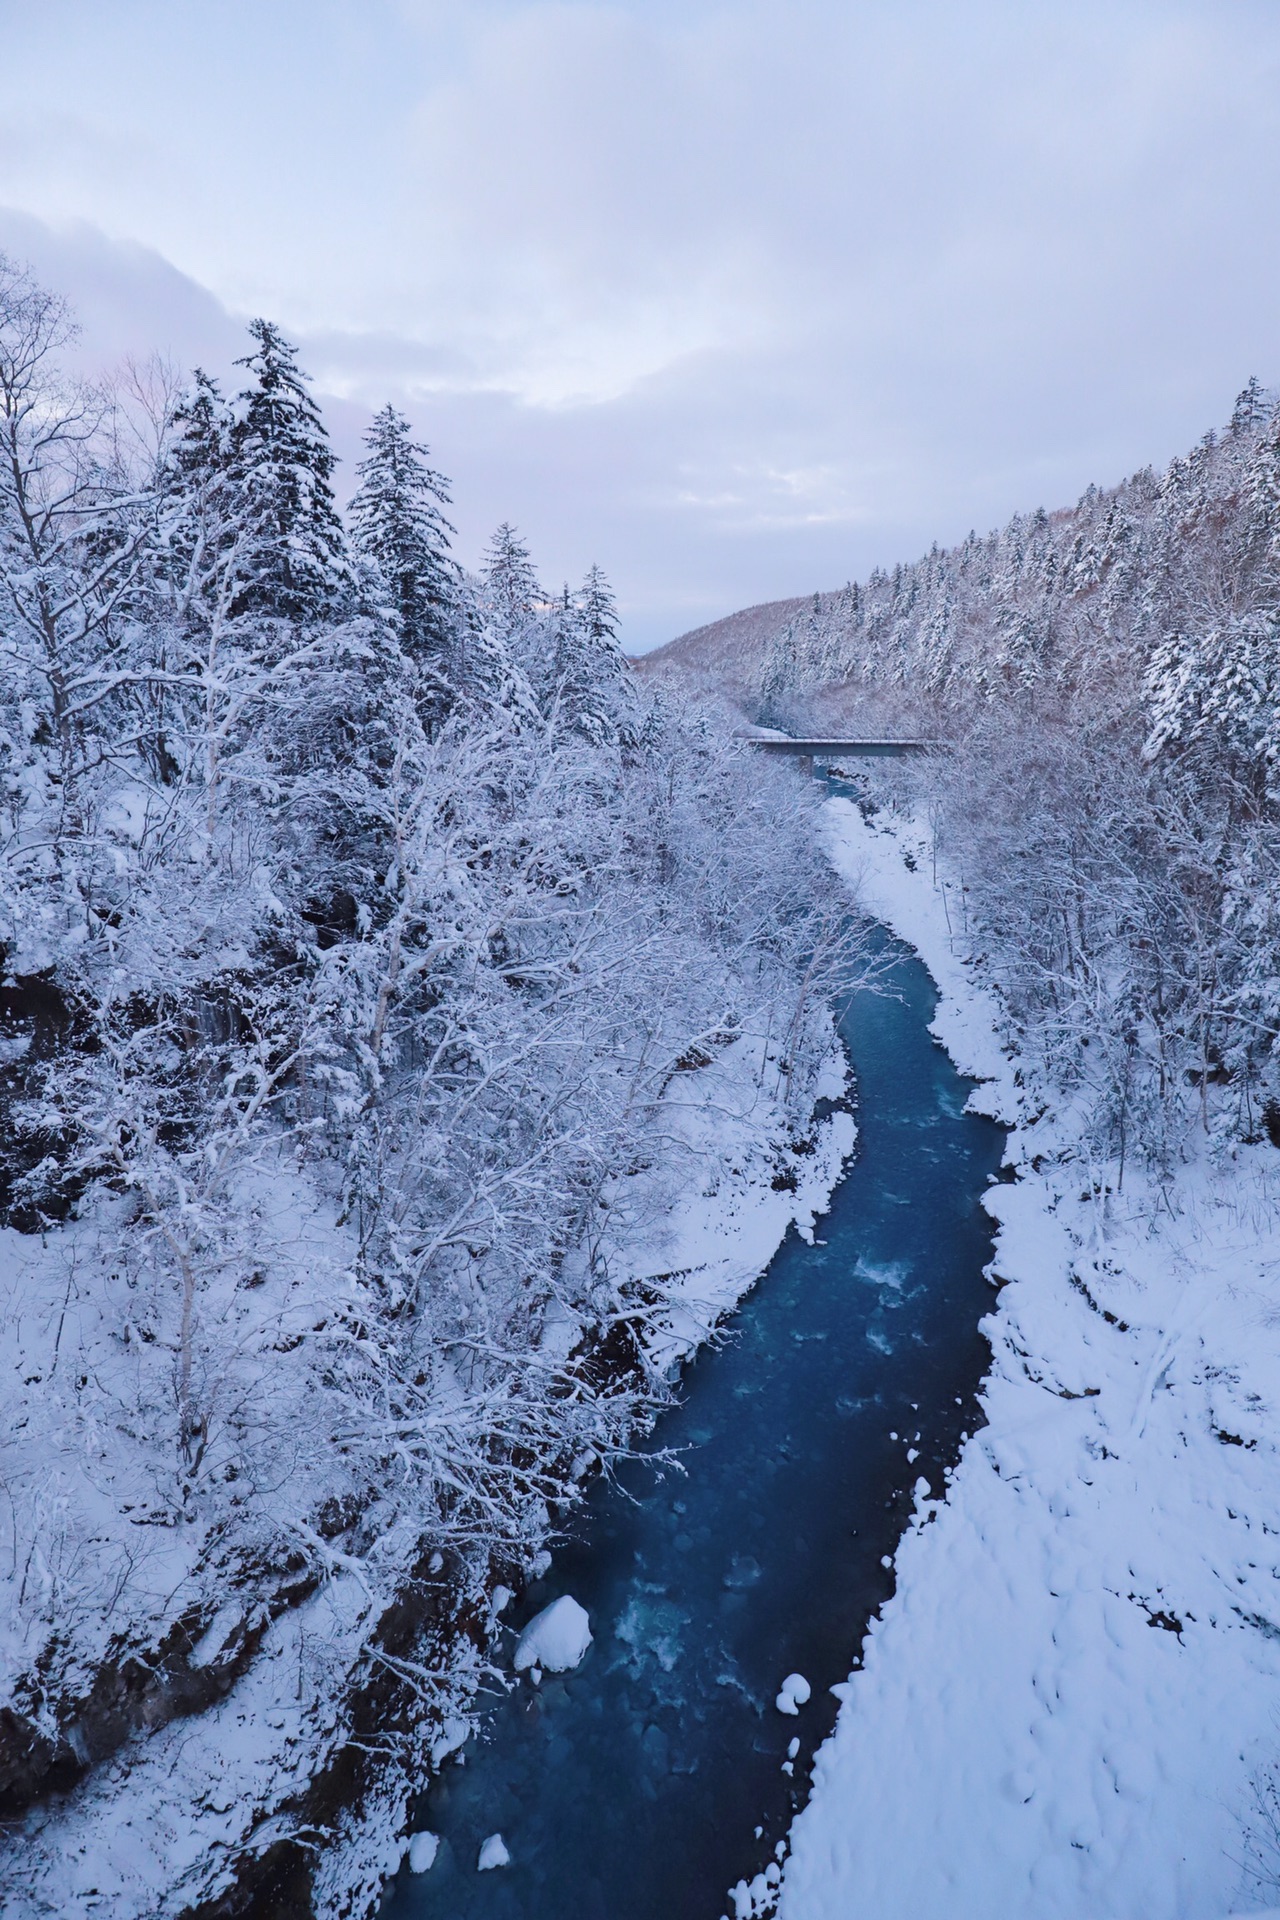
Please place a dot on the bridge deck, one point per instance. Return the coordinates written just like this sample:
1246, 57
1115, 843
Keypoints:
844, 749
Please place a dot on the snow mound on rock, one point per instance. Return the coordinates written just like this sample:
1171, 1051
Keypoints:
556, 1638
792, 1694
423, 1848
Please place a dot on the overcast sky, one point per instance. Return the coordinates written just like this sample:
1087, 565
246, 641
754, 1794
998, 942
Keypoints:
738, 299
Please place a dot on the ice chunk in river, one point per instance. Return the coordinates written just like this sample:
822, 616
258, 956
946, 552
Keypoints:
556, 1638
423, 1848
793, 1693
493, 1854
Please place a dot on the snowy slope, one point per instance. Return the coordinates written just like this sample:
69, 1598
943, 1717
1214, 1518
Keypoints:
1066, 1708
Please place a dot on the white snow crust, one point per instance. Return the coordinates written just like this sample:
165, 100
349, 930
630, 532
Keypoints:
555, 1639
1062, 1710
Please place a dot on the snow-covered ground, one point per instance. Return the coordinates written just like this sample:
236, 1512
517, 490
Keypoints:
1064, 1711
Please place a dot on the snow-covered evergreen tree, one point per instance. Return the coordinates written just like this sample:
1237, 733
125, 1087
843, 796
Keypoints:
1262, 500
294, 562
200, 435
510, 585
598, 607
589, 684
398, 527
780, 677
486, 664
206, 534
1251, 408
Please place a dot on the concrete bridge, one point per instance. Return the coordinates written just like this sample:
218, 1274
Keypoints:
827, 752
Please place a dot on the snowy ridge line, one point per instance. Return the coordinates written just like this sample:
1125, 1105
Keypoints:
160, 1830
1071, 1705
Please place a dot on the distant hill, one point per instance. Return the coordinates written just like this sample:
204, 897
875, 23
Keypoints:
1112, 599
728, 653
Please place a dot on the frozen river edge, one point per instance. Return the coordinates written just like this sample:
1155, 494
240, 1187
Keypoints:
1070, 1705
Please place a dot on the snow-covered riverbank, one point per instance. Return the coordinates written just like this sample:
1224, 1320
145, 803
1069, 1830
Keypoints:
1065, 1708
160, 1828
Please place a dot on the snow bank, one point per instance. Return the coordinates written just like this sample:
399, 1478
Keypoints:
701, 1228
1063, 1708
555, 1639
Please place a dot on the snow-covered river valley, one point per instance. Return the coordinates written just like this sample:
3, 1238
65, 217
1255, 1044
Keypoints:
661, 1771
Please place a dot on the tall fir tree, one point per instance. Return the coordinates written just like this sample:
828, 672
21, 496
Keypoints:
591, 680
1262, 499
196, 476
599, 611
398, 527
295, 564
510, 585
201, 429
1251, 409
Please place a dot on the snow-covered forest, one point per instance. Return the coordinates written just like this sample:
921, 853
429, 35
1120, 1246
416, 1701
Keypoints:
405, 1006
1109, 679
366, 935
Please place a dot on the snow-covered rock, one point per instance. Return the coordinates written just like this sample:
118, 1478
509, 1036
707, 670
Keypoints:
423, 1848
792, 1694
556, 1638
493, 1853
452, 1735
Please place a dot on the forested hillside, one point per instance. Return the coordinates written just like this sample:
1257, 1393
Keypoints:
1108, 678
726, 654
364, 932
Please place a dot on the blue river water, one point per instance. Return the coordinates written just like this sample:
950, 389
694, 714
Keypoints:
644, 1784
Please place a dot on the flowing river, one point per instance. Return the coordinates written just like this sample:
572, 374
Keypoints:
646, 1783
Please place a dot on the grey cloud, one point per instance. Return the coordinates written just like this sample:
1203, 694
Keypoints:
367, 365
129, 299
738, 300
